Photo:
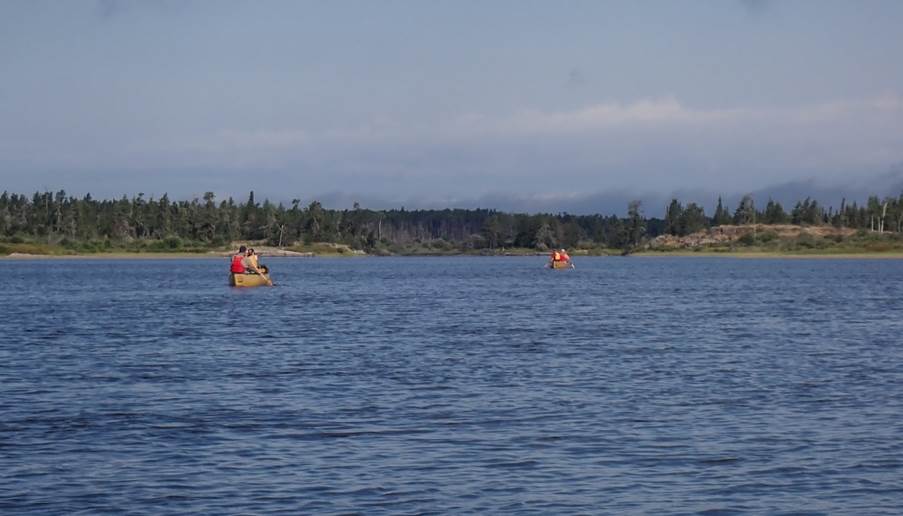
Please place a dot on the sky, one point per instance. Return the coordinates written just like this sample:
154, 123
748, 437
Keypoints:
503, 103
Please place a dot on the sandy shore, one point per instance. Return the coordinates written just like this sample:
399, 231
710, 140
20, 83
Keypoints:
224, 255
111, 256
753, 255
264, 252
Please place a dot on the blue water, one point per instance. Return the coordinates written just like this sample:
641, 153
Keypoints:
453, 385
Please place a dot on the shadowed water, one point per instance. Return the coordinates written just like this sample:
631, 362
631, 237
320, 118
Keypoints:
453, 385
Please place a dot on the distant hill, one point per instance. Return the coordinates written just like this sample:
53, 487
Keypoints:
614, 202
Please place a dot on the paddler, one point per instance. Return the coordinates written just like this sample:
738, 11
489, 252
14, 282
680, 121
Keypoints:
564, 256
252, 262
254, 267
237, 265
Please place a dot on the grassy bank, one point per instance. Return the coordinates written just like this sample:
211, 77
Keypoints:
169, 248
774, 254
51, 251
67, 247
779, 241
742, 244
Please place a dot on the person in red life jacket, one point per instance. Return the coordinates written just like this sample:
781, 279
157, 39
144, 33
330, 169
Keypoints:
558, 258
238, 261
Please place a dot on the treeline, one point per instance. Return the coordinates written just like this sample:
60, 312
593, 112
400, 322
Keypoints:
92, 224
876, 215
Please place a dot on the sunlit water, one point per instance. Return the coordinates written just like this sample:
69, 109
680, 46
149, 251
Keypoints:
453, 385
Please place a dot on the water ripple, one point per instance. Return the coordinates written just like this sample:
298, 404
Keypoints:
461, 385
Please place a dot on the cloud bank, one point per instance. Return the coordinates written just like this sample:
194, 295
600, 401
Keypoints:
654, 145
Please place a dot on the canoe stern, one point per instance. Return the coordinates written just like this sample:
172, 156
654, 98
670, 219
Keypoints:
246, 280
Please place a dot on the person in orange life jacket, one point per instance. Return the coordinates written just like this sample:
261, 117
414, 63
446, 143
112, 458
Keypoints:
554, 257
237, 265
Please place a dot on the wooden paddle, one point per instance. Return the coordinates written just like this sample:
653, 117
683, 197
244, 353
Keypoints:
262, 274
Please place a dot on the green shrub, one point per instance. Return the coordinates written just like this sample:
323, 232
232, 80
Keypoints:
878, 247
806, 241
767, 236
90, 246
747, 239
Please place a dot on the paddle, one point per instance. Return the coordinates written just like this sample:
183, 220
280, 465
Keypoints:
253, 264
264, 275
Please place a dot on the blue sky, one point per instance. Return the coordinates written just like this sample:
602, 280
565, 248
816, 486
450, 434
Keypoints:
444, 102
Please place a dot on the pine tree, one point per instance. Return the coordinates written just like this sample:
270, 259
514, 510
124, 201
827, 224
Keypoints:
692, 219
672, 217
722, 217
636, 223
746, 211
774, 213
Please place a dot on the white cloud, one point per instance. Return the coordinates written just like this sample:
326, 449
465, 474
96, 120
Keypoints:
668, 113
650, 144
646, 122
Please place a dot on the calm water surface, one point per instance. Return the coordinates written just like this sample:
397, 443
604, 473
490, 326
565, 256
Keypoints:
453, 385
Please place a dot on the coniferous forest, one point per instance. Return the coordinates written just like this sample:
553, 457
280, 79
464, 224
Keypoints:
138, 223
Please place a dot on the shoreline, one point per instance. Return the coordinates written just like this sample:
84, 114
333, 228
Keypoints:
866, 255
110, 256
892, 255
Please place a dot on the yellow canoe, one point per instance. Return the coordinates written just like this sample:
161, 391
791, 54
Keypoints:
562, 265
246, 280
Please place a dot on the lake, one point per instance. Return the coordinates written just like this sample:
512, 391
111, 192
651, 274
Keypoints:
453, 385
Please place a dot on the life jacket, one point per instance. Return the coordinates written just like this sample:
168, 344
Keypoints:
565, 257
556, 256
238, 264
